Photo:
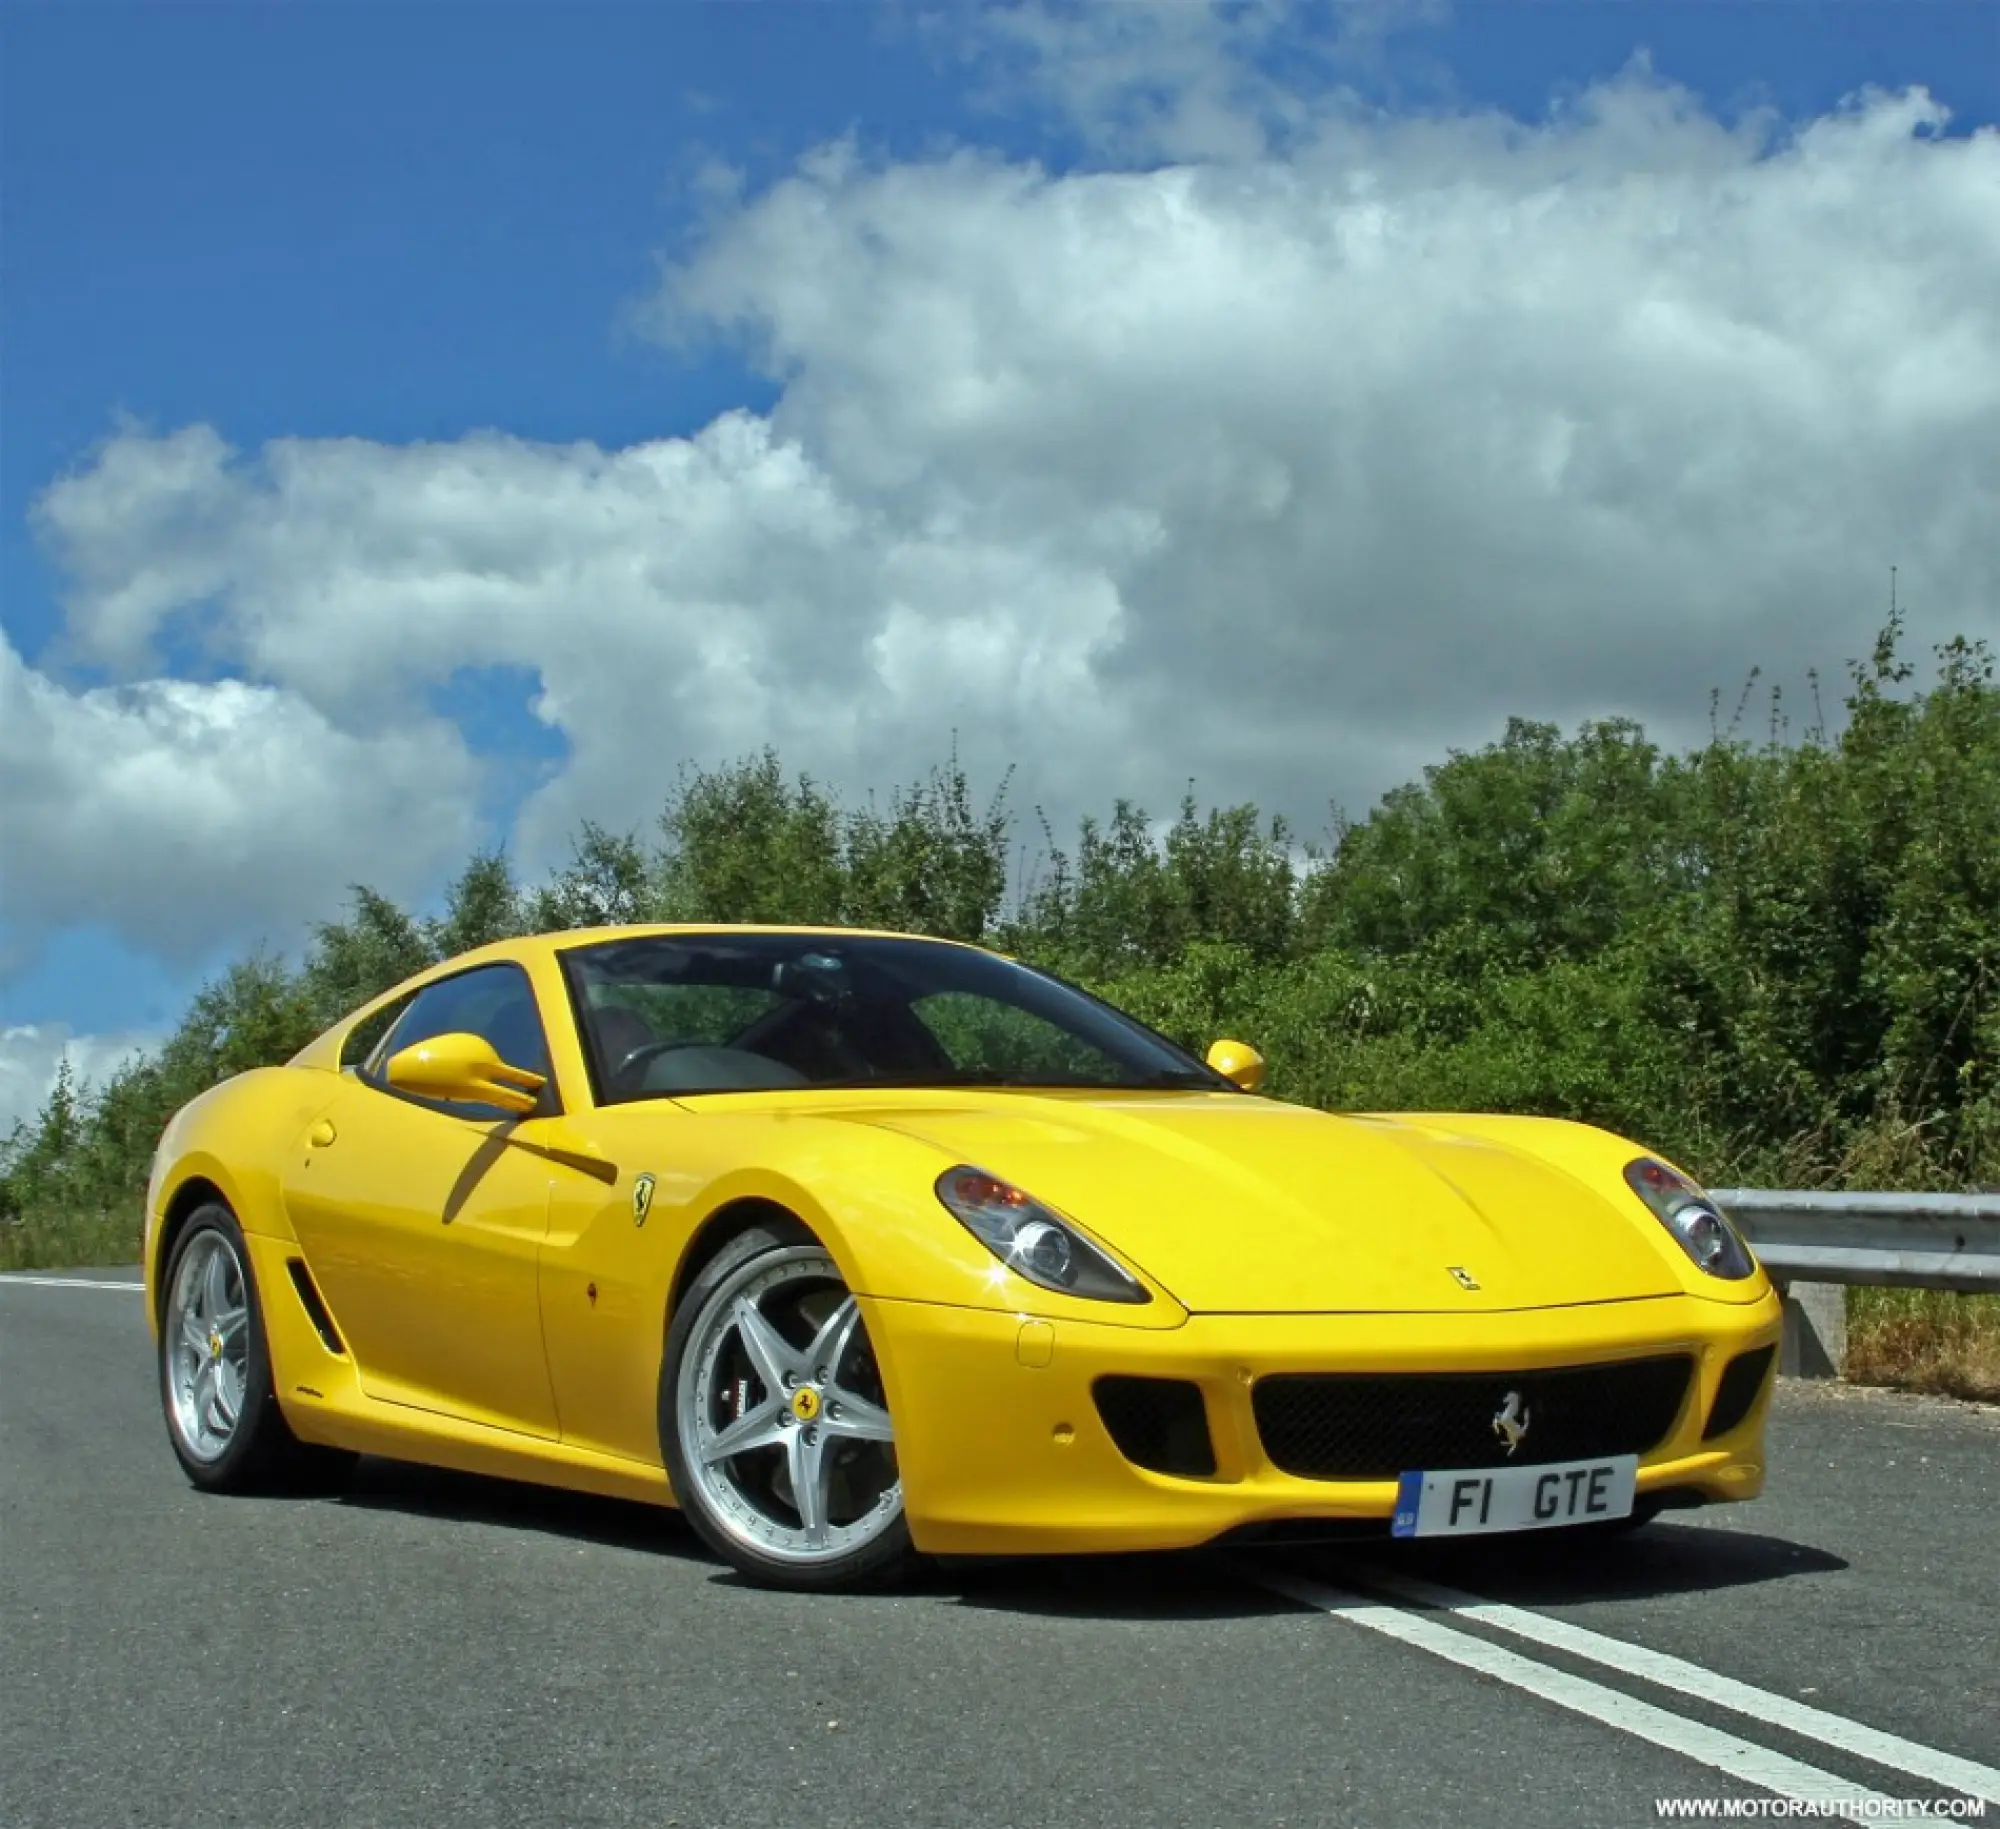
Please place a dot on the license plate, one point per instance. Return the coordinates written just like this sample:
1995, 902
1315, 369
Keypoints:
1464, 1501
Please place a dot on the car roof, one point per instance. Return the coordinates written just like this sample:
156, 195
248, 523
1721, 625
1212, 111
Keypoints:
523, 946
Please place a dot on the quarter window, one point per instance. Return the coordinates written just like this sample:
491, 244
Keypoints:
494, 1002
357, 1048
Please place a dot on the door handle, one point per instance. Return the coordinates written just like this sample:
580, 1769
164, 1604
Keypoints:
322, 1134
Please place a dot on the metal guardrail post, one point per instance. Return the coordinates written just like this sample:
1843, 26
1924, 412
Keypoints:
1815, 1338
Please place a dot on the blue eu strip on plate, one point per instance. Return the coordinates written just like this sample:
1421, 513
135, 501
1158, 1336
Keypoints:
1409, 1493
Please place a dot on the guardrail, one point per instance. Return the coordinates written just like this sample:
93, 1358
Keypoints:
1813, 1244
1913, 1241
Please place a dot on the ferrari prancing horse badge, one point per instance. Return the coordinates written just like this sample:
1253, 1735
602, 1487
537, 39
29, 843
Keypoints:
642, 1199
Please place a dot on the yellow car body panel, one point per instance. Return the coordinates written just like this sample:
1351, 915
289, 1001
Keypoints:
1015, 1461
499, 1289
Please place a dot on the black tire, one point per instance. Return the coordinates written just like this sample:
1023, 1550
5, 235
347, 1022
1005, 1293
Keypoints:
887, 1556
260, 1453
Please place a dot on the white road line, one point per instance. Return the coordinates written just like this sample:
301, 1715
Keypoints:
1739, 1758
1801, 1718
64, 1282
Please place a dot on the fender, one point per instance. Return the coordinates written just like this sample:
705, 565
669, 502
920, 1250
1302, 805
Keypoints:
197, 1146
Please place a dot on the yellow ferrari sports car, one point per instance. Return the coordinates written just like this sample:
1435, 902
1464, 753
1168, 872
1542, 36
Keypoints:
858, 1247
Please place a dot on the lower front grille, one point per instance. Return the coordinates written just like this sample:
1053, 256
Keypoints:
1377, 1426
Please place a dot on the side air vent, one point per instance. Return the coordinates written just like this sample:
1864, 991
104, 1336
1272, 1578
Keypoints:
309, 1300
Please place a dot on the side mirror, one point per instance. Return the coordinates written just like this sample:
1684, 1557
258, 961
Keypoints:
1238, 1061
463, 1070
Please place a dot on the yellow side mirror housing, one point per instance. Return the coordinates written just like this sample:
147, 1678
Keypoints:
463, 1070
1238, 1061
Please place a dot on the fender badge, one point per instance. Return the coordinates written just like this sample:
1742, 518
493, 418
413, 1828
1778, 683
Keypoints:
642, 1199
1462, 1276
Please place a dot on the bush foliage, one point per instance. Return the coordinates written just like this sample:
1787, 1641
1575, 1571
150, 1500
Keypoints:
1778, 962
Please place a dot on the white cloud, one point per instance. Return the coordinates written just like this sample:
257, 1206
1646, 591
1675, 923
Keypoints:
178, 814
1181, 80
1431, 420
31, 1054
1285, 470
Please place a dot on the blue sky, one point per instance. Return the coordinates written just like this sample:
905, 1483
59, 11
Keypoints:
403, 224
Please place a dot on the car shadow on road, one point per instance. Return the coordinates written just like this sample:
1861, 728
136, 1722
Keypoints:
1166, 1587
1671, 1556
1530, 1569
471, 1498
1535, 1569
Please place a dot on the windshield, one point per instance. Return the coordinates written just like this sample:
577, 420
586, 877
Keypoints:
744, 1012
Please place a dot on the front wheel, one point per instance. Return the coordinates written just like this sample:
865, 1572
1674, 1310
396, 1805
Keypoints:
215, 1371
774, 1424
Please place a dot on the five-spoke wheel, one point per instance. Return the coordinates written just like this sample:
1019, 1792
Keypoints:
774, 1421
222, 1411
206, 1341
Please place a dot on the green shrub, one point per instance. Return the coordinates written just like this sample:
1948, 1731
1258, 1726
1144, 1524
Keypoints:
1778, 963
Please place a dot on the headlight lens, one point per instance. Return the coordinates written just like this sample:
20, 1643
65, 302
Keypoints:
1697, 1223
1032, 1240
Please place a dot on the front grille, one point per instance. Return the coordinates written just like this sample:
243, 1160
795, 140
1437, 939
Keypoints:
1377, 1426
1158, 1423
1742, 1379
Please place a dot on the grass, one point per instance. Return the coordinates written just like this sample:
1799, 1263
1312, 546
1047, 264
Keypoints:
1925, 1340
44, 1242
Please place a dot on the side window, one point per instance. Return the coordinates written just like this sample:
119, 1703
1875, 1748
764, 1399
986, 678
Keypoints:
362, 1040
492, 1001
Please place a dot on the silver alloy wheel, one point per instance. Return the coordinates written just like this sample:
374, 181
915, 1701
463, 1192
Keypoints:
781, 1416
207, 1337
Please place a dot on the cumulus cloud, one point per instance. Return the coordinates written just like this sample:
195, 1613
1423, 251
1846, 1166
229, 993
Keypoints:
1432, 419
31, 1055
177, 813
1187, 80
692, 597
1286, 465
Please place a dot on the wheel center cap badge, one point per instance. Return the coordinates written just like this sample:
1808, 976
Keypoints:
805, 1403
215, 1346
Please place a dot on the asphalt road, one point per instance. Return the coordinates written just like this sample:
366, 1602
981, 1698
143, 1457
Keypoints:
436, 1650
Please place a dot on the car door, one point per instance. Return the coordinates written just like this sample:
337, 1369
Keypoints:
423, 1223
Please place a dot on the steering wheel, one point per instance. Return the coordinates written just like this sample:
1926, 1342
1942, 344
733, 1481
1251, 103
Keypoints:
647, 1051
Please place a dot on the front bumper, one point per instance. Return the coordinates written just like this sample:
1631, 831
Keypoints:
1003, 1451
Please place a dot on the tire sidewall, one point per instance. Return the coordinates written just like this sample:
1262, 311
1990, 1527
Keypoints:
248, 1445
873, 1564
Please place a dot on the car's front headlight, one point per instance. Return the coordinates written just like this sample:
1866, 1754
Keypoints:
1032, 1240
1699, 1226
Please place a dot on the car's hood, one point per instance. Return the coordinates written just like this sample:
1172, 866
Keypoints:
1246, 1205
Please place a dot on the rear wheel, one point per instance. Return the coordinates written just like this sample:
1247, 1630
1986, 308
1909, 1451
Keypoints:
215, 1371
773, 1421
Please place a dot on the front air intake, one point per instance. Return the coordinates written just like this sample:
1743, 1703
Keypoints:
1742, 1379
1160, 1424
